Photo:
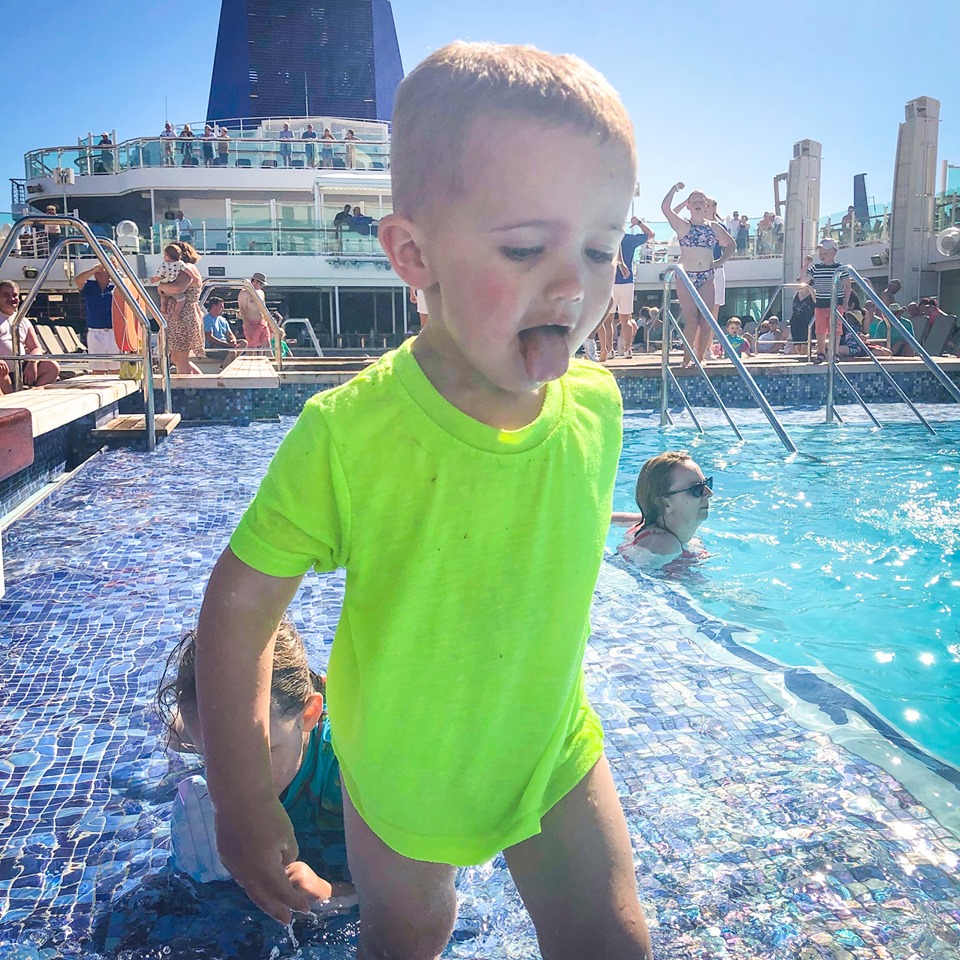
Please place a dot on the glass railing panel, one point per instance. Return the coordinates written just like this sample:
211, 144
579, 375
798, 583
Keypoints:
237, 151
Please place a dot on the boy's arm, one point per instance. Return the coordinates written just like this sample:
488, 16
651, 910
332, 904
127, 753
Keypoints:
619, 519
241, 610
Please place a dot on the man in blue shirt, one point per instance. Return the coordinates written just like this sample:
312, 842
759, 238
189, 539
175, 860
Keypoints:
96, 290
622, 302
217, 333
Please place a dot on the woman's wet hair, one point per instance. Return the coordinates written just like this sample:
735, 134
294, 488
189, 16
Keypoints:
653, 484
291, 686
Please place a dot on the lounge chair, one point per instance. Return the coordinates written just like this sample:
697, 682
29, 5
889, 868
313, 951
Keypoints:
938, 335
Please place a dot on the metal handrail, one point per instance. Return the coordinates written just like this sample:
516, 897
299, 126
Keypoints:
157, 317
897, 324
707, 380
901, 328
893, 383
85, 235
218, 283
676, 270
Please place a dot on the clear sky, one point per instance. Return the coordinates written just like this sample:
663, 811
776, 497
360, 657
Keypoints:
718, 92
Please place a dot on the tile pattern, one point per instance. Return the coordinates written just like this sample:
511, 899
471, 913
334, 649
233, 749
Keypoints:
639, 393
752, 835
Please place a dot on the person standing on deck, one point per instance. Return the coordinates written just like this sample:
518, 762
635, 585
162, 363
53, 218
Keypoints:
251, 307
821, 279
96, 290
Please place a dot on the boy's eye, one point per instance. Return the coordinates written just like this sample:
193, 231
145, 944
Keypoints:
520, 253
601, 256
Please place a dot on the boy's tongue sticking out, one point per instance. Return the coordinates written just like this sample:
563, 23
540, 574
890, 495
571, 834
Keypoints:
546, 354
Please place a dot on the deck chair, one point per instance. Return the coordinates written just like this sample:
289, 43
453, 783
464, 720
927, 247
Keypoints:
68, 337
936, 339
48, 338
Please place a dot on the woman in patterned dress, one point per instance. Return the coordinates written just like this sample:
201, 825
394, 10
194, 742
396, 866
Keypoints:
184, 329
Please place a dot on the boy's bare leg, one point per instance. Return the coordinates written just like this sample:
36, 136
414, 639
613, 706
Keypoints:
408, 908
577, 880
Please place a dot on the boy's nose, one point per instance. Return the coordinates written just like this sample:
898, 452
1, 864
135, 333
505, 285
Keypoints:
566, 283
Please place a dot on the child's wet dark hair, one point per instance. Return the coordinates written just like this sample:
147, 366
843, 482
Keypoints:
291, 686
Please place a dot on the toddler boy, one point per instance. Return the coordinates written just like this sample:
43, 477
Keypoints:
436, 478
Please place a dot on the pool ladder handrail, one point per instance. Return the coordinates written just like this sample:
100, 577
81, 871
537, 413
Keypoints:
111, 263
892, 321
218, 283
666, 375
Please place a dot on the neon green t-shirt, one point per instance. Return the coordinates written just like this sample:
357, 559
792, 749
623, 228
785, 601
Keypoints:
455, 680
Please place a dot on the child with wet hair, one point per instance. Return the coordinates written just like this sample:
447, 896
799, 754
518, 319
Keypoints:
305, 772
456, 680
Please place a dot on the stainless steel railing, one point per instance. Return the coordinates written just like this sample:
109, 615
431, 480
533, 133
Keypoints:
675, 270
84, 235
892, 321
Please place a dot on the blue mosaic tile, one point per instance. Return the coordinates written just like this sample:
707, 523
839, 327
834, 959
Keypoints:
753, 836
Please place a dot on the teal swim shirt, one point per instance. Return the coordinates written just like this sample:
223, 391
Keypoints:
471, 554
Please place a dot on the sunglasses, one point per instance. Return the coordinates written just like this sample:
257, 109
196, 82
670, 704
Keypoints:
696, 490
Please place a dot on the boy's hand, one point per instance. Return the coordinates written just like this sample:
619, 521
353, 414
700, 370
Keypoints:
256, 846
304, 879
328, 897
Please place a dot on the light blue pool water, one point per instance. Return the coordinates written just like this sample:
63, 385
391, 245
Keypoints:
850, 560
755, 832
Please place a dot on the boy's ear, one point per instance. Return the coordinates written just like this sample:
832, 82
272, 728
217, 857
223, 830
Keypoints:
312, 711
400, 240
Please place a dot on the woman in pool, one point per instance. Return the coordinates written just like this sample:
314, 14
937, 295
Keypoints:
673, 497
698, 238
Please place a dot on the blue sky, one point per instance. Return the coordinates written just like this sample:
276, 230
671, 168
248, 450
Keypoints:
719, 93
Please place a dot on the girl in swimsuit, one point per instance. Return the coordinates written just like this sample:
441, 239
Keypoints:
698, 238
674, 499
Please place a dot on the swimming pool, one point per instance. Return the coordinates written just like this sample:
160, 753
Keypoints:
754, 833
846, 557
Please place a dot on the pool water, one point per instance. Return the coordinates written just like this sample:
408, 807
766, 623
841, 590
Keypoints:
755, 832
846, 557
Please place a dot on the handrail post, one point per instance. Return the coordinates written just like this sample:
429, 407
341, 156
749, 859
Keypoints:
666, 335
161, 322
931, 364
745, 376
832, 344
99, 248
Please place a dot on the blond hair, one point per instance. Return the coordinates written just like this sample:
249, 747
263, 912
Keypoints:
440, 101
653, 484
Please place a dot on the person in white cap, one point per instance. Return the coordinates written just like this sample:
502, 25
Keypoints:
821, 277
252, 307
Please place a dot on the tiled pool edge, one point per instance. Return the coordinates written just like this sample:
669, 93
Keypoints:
803, 692
242, 405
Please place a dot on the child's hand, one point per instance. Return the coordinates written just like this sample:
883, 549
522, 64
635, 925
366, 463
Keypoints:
332, 896
256, 843
304, 879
